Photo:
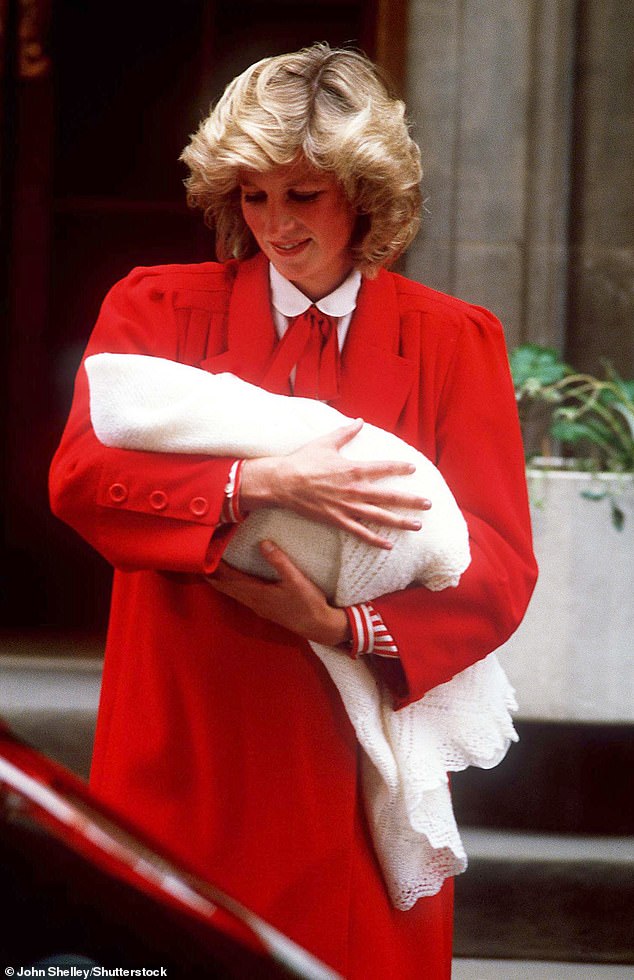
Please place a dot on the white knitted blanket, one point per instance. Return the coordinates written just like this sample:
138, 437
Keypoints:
150, 403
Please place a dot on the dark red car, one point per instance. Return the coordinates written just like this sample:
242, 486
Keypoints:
81, 886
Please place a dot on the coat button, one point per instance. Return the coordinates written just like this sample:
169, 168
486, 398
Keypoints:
199, 506
118, 493
158, 500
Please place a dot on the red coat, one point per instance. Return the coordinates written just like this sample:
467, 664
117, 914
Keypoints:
221, 733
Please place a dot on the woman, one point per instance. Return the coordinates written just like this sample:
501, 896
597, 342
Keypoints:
219, 731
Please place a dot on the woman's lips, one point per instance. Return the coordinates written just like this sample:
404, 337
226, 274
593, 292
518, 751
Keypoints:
289, 248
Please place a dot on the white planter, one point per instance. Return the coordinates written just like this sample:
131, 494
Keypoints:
572, 657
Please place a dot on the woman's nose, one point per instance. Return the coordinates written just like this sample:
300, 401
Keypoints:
279, 220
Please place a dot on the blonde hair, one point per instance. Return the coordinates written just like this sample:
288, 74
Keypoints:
332, 107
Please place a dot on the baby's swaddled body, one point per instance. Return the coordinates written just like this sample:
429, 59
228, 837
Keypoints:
140, 402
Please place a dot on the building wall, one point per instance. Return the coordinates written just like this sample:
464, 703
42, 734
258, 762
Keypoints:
524, 113
602, 226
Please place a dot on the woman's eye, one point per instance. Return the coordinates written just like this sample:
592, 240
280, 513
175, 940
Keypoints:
253, 197
304, 196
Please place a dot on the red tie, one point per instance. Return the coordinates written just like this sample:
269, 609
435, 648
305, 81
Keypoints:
311, 346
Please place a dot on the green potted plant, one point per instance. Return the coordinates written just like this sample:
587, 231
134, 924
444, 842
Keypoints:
591, 419
572, 659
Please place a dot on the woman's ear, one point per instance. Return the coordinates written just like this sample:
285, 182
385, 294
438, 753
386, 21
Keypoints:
361, 228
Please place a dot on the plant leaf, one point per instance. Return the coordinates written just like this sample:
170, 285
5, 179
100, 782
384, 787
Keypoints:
572, 430
532, 362
593, 494
618, 517
628, 415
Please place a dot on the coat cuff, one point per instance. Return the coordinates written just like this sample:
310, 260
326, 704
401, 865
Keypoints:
369, 633
231, 512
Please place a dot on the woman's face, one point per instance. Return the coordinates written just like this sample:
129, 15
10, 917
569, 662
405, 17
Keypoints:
303, 222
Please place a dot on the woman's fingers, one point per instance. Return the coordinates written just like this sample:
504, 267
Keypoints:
340, 437
320, 483
388, 518
365, 534
228, 579
356, 525
353, 517
378, 497
293, 601
279, 560
363, 470
232, 581
383, 468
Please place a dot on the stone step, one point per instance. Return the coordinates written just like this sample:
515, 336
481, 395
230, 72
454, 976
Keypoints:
51, 702
546, 897
466, 969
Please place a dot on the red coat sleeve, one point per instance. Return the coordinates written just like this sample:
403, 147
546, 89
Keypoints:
480, 454
140, 510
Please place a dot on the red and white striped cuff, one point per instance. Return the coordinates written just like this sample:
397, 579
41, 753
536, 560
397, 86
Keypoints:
369, 632
230, 512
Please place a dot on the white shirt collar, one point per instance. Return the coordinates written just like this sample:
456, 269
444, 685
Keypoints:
288, 300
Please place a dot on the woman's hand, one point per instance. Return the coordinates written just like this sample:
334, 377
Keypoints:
317, 482
293, 602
